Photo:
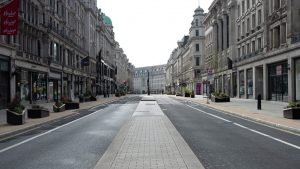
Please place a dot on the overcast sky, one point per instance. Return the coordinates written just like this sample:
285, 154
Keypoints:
148, 30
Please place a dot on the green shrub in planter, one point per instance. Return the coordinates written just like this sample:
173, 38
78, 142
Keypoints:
292, 111
193, 94
15, 113
59, 107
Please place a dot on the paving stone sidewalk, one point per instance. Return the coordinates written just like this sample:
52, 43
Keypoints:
271, 113
149, 140
6, 129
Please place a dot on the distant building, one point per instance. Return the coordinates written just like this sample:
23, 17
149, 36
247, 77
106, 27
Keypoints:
156, 79
185, 64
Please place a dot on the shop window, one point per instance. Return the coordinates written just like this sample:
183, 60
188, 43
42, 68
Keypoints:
278, 82
297, 79
241, 83
249, 83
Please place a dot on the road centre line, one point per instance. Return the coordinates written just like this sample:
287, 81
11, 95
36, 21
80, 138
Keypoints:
37, 136
255, 131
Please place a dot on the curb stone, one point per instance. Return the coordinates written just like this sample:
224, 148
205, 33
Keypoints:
270, 124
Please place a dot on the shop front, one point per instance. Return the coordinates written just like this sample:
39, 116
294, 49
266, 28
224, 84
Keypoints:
241, 84
4, 82
31, 86
55, 84
249, 75
278, 82
198, 88
297, 78
67, 85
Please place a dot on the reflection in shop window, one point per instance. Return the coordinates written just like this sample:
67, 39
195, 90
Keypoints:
242, 84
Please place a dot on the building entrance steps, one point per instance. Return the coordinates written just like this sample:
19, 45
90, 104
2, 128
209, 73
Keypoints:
149, 140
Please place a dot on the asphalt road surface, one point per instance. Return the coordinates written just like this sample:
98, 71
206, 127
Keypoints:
221, 141
77, 142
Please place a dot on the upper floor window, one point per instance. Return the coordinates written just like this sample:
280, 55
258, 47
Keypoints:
259, 17
253, 2
197, 32
248, 4
197, 61
243, 7
253, 21
276, 4
197, 24
197, 48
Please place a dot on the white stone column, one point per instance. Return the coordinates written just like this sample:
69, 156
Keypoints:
215, 37
265, 82
245, 84
291, 79
254, 82
238, 83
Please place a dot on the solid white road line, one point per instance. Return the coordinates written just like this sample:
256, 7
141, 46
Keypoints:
209, 113
37, 136
244, 127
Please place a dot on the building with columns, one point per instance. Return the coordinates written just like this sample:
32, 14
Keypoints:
259, 54
220, 48
268, 50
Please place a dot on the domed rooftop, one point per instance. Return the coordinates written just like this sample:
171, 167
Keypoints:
199, 9
107, 20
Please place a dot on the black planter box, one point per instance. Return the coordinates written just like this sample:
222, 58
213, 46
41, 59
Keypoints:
223, 99
187, 95
93, 98
84, 99
291, 113
71, 105
15, 118
37, 113
59, 109
192, 96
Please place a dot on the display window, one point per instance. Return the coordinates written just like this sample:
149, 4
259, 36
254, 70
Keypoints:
297, 78
242, 83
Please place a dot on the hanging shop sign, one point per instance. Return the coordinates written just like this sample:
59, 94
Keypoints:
9, 17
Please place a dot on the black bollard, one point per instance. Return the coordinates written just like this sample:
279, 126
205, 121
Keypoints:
259, 102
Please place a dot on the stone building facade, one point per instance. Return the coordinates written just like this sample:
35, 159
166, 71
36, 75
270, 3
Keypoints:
56, 52
156, 79
268, 53
125, 71
219, 46
251, 48
265, 59
185, 63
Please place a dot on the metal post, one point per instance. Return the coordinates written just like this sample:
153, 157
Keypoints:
148, 85
259, 102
